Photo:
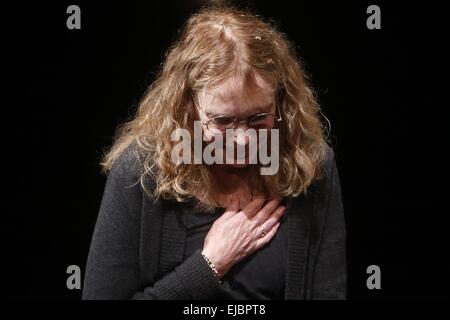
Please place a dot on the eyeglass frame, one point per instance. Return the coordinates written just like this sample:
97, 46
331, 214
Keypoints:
236, 121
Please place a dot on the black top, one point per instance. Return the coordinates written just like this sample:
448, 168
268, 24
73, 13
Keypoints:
138, 245
259, 276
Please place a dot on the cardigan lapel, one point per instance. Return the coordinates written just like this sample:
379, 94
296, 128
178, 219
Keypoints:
299, 212
150, 241
173, 238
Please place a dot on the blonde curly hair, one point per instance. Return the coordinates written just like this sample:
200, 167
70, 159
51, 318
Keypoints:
213, 44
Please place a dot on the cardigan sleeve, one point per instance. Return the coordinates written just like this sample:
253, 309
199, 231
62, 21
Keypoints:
330, 276
112, 268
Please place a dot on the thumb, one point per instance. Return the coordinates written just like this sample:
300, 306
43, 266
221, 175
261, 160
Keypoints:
234, 203
232, 207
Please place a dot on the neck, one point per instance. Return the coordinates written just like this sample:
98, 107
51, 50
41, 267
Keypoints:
229, 179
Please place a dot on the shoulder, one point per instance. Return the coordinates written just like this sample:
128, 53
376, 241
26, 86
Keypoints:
129, 160
329, 161
326, 187
128, 167
326, 190
327, 170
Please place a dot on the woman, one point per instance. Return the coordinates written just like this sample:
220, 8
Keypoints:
172, 229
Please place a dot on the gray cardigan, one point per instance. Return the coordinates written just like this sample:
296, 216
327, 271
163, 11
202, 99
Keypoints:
137, 247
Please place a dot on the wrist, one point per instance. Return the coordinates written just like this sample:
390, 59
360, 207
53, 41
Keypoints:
212, 266
222, 265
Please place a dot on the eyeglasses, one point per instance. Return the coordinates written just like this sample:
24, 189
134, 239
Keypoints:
264, 120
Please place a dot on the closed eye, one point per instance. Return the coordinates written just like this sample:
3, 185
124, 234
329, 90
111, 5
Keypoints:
222, 120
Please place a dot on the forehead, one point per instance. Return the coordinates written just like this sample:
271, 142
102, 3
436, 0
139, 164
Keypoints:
237, 94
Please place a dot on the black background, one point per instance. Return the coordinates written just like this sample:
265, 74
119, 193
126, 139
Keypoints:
379, 88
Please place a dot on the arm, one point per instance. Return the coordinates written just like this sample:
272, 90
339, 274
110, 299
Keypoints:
112, 269
330, 278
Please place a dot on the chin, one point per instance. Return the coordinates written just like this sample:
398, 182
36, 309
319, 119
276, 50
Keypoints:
235, 165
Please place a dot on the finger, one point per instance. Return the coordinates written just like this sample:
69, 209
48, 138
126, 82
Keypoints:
274, 217
261, 242
266, 210
253, 207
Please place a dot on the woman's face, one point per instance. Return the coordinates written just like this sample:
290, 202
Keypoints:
233, 99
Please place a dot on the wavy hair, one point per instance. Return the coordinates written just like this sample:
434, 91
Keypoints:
214, 44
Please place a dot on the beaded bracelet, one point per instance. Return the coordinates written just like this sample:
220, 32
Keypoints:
213, 268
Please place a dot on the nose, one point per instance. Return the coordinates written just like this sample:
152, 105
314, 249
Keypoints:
240, 135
